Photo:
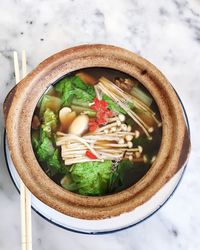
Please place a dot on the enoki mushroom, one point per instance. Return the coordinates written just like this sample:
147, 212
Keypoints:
121, 98
110, 146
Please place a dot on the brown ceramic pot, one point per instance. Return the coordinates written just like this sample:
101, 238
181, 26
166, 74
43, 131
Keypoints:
20, 104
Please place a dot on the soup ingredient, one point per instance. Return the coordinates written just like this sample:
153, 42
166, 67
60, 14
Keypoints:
119, 176
126, 84
113, 106
79, 125
55, 164
47, 154
142, 101
86, 78
119, 117
79, 102
110, 126
50, 122
92, 178
35, 122
94, 139
84, 110
74, 87
127, 172
35, 139
51, 92
102, 114
68, 183
65, 89
66, 117
141, 140
43, 143
123, 100
146, 117
45, 149
83, 95
49, 102
141, 95
63, 112
79, 84
98, 93
66, 141
100, 144
90, 155
141, 159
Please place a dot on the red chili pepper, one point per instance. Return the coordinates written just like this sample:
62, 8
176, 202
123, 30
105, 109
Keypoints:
93, 125
90, 155
93, 128
99, 104
103, 113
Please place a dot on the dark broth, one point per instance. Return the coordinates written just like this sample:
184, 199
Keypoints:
130, 174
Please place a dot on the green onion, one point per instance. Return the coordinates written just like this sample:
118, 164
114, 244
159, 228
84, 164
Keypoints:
142, 96
79, 102
87, 111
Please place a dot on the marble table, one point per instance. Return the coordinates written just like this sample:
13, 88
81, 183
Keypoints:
165, 32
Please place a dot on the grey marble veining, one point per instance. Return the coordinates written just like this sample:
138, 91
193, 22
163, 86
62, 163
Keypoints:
165, 32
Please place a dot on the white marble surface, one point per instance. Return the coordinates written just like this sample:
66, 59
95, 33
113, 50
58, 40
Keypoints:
165, 32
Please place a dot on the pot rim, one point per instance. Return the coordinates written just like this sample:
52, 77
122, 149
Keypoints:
167, 163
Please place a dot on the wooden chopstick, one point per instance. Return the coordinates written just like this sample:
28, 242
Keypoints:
25, 196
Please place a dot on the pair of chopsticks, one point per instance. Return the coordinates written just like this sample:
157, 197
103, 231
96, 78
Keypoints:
25, 196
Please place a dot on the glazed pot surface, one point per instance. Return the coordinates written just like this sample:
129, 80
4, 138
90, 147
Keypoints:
20, 105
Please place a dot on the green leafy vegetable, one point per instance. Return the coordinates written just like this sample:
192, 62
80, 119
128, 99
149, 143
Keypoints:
87, 111
51, 102
126, 174
74, 87
78, 83
79, 102
35, 140
42, 135
141, 141
45, 149
66, 90
55, 164
119, 177
141, 95
131, 105
50, 122
91, 178
62, 84
68, 183
90, 90
43, 144
83, 95
67, 95
48, 155
112, 105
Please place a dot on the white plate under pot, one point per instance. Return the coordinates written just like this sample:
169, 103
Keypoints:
110, 225
99, 226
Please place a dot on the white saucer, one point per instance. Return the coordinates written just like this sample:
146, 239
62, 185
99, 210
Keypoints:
99, 226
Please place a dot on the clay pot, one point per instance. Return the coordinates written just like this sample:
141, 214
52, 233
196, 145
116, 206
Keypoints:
20, 104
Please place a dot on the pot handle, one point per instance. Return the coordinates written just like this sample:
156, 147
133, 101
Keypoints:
8, 102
